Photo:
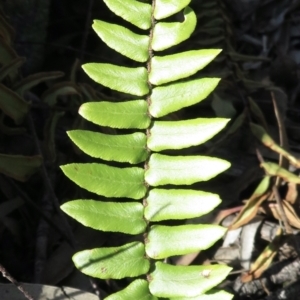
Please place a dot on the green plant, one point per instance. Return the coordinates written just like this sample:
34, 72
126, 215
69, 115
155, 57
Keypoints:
160, 90
15, 108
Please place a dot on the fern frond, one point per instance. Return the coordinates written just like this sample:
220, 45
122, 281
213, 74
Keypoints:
158, 84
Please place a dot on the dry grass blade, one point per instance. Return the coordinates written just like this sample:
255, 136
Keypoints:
264, 260
249, 211
284, 143
266, 139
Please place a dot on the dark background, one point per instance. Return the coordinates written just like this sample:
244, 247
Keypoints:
261, 54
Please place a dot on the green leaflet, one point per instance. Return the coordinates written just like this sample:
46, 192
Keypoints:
107, 181
135, 12
50, 136
166, 35
222, 107
178, 170
138, 289
9, 206
181, 239
169, 68
185, 281
166, 8
127, 80
122, 148
113, 262
19, 167
107, 216
7, 31
183, 134
32, 80
129, 114
10, 69
211, 295
167, 99
12, 104
179, 204
123, 40
59, 89
7, 55
259, 116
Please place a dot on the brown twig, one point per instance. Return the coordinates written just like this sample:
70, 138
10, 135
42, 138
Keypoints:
281, 212
6, 275
283, 162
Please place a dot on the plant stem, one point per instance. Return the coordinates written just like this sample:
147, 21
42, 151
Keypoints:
6, 275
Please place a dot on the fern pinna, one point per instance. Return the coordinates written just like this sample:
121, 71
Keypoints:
158, 92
